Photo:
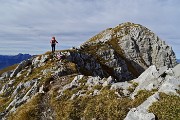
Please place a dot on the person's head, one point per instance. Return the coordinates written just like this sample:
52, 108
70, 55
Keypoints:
53, 37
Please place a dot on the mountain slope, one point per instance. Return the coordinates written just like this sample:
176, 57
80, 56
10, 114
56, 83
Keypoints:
135, 42
6, 60
94, 81
128, 50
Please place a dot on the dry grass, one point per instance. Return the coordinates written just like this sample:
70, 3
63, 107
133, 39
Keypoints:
29, 111
141, 97
106, 105
8, 69
3, 103
167, 108
133, 87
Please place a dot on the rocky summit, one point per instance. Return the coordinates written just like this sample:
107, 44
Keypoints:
126, 72
128, 49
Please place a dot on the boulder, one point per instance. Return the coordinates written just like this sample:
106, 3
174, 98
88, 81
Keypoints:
138, 114
109, 81
73, 84
141, 112
75, 81
121, 86
92, 81
148, 80
170, 86
1, 78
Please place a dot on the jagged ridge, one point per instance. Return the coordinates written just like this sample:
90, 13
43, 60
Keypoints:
88, 82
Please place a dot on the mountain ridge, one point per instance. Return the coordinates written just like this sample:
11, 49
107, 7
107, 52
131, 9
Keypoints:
101, 79
8, 60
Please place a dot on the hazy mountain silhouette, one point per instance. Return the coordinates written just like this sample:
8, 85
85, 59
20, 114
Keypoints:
8, 60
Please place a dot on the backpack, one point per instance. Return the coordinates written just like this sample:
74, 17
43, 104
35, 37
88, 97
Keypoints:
53, 41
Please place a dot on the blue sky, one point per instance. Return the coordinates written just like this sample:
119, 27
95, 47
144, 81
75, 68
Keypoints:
26, 26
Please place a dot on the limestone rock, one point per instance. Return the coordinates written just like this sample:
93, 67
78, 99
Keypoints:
86, 64
121, 86
165, 80
6, 74
141, 112
170, 86
78, 94
76, 80
21, 66
148, 80
136, 114
19, 99
1, 78
125, 51
96, 92
74, 83
39, 60
109, 81
92, 81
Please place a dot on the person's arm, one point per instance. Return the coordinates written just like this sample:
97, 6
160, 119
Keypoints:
56, 41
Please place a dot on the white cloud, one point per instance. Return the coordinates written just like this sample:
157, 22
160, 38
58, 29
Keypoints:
75, 21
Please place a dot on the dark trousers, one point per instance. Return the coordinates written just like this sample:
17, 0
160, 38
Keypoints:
53, 47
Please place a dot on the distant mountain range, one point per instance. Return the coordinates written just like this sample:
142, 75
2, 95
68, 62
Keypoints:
8, 60
178, 60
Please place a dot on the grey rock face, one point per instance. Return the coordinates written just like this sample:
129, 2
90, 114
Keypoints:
39, 61
113, 61
20, 98
148, 80
166, 80
86, 64
130, 48
21, 66
144, 47
170, 86
176, 71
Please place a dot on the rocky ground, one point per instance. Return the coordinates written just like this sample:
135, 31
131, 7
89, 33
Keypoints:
125, 72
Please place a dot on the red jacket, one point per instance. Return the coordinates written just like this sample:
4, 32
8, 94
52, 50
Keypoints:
53, 41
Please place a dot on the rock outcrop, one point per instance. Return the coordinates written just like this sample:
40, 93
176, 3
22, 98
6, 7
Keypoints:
167, 82
128, 49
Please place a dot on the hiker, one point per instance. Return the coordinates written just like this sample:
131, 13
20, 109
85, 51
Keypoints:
53, 43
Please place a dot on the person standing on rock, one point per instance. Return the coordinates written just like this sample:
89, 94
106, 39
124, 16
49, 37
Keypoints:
53, 43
